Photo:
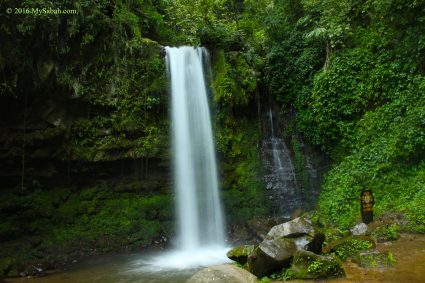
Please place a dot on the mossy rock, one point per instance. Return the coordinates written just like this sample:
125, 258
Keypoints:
270, 256
386, 233
308, 265
333, 234
349, 246
12, 273
5, 264
375, 259
240, 254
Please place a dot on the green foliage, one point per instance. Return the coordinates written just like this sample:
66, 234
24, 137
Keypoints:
5, 264
100, 218
283, 275
235, 79
195, 20
288, 274
388, 163
386, 233
99, 64
242, 188
319, 267
265, 280
343, 93
315, 266
375, 259
352, 247
357, 93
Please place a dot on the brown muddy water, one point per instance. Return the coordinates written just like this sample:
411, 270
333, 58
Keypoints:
409, 252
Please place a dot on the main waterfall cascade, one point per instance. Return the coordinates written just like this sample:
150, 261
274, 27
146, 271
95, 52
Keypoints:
200, 220
200, 223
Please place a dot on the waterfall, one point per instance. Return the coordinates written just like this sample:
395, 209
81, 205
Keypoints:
200, 223
199, 213
280, 174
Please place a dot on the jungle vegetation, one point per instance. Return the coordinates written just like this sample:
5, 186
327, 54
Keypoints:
84, 101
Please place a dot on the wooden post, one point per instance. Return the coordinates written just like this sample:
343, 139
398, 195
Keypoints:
366, 203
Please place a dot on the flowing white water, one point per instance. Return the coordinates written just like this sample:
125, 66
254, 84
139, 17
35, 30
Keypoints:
199, 212
283, 178
277, 160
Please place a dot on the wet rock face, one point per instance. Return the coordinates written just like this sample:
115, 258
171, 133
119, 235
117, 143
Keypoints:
225, 273
280, 177
283, 185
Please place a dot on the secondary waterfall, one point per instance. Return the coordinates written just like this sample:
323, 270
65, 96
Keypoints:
200, 224
280, 174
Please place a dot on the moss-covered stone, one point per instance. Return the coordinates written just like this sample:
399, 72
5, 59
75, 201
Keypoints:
308, 265
386, 233
5, 264
240, 254
12, 273
375, 259
270, 256
349, 246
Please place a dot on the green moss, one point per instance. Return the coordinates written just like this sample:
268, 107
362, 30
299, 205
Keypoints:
307, 265
375, 259
243, 192
240, 254
386, 233
349, 246
5, 264
66, 222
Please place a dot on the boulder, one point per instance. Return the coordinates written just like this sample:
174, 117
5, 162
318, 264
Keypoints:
302, 242
359, 229
375, 259
308, 265
301, 229
298, 227
271, 255
259, 227
349, 246
240, 254
224, 273
316, 244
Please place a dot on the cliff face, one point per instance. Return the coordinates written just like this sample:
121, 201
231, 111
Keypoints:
84, 135
83, 167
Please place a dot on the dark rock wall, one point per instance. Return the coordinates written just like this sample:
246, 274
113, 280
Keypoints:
292, 169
